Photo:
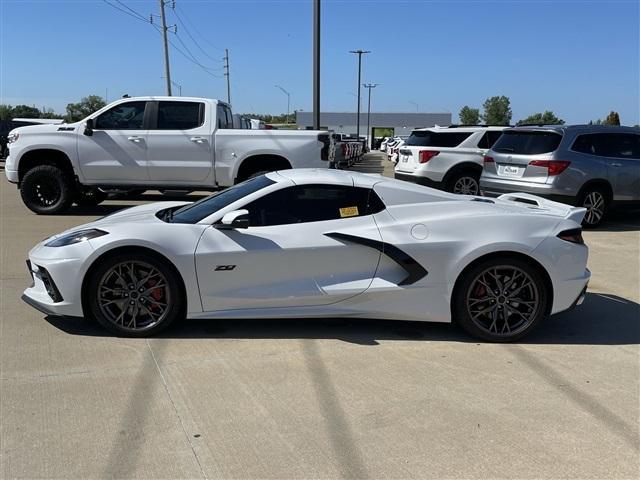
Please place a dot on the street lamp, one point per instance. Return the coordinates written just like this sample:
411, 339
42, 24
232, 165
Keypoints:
288, 100
369, 137
414, 103
359, 53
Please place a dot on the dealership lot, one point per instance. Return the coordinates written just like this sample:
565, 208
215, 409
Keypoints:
320, 398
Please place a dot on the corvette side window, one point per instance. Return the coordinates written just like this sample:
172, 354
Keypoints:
312, 203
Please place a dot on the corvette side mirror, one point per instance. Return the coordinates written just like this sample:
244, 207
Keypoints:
88, 127
235, 219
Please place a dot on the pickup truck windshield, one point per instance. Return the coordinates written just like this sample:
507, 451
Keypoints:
195, 212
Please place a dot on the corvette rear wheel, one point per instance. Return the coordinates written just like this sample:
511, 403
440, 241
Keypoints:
135, 295
500, 300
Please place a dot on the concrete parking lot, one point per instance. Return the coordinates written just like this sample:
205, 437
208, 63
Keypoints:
320, 398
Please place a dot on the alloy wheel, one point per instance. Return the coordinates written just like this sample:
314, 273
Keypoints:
594, 202
134, 295
466, 186
503, 300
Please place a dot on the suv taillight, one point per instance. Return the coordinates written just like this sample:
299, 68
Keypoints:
574, 236
425, 155
554, 167
488, 159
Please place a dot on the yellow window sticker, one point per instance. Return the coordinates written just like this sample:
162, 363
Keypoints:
349, 212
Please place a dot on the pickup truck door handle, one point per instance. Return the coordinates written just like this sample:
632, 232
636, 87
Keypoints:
135, 139
616, 164
198, 139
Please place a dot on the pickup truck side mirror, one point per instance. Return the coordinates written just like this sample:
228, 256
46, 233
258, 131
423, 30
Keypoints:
235, 219
88, 127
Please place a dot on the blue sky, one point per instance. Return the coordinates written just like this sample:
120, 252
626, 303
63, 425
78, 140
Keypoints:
577, 58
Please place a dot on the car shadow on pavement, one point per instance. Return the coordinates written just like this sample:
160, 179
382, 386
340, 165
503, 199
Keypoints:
600, 320
623, 220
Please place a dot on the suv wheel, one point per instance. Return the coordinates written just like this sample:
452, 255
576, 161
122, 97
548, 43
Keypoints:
47, 190
596, 201
465, 183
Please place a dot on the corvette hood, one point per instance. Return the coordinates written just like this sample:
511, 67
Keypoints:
138, 214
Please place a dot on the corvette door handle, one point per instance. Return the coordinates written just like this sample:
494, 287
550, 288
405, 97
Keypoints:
135, 139
616, 164
198, 139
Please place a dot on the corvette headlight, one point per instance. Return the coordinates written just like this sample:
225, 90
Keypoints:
12, 137
75, 237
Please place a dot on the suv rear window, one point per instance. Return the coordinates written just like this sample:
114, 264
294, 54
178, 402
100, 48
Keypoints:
436, 139
527, 142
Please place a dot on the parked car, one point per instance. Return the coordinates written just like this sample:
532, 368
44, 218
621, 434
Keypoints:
241, 121
319, 243
257, 124
449, 158
144, 143
7, 125
383, 144
593, 166
393, 157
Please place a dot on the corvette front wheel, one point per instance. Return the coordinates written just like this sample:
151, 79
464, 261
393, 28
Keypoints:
500, 300
135, 295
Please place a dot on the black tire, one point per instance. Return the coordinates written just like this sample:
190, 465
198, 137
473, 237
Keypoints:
89, 197
466, 182
47, 190
477, 308
114, 279
596, 201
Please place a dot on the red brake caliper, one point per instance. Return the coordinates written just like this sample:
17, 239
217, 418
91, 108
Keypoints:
157, 294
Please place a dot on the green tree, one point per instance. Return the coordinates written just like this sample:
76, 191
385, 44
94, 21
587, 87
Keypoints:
497, 111
25, 111
546, 118
612, 119
469, 116
86, 106
6, 112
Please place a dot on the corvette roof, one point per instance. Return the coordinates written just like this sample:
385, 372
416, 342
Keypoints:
330, 177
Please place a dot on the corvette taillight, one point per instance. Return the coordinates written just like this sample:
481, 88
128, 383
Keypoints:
425, 155
554, 167
574, 236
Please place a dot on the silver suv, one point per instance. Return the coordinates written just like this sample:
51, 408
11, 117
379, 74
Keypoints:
593, 166
446, 157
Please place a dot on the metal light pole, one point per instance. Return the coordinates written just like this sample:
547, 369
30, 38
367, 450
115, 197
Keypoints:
288, 100
359, 53
316, 64
369, 138
414, 103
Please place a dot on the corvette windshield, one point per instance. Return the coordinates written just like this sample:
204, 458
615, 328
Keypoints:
195, 212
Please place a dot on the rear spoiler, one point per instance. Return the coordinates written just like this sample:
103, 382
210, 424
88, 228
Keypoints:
556, 208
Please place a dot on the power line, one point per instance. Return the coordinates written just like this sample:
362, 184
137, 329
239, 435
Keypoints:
186, 17
184, 27
137, 17
132, 10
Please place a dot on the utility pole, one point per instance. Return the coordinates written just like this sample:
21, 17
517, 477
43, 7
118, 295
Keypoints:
369, 137
359, 53
316, 64
166, 47
288, 100
226, 74
416, 105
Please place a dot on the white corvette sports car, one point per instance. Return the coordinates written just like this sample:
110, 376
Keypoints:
319, 243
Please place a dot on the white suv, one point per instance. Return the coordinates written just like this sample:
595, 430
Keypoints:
449, 158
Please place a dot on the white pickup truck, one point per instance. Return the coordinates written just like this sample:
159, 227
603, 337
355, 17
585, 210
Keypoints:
140, 143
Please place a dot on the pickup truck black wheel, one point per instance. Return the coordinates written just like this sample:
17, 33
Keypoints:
47, 190
89, 197
135, 294
500, 299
